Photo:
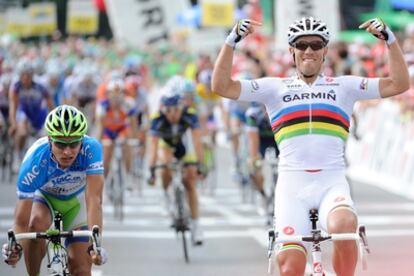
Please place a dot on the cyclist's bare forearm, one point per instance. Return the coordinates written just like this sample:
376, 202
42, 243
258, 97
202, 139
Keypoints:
222, 84
94, 190
198, 147
153, 150
13, 102
398, 81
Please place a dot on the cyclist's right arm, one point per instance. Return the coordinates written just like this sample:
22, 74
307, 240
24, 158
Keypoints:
22, 211
221, 82
22, 215
13, 103
21, 223
155, 132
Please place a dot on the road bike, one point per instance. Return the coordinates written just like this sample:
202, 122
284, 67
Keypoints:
316, 238
210, 183
116, 179
137, 166
57, 256
273, 162
180, 213
243, 172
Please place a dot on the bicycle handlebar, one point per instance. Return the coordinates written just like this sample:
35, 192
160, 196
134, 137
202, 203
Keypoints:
318, 238
174, 165
50, 234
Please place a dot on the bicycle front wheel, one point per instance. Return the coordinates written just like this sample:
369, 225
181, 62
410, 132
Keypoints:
185, 246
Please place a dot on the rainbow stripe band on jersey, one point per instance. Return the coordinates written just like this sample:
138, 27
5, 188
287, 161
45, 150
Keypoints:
307, 119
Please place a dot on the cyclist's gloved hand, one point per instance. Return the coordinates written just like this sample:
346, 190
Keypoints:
378, 28
151, 178
11, 256
99, 257
202, 170
240, 31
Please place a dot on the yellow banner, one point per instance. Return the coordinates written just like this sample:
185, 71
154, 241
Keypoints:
17, 22
216, 14
82, 25
43, 19
19, 29
82, 17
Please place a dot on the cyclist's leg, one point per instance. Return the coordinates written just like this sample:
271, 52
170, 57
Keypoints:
40, 221
19, 139
73, 212
142, 138
165, 156
264, 143
292, 218
126, 150
190, 183
108, 149
337, 215
80, 262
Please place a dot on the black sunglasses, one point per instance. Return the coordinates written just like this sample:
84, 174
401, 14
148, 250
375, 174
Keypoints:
169, 109
315, 45
60, 144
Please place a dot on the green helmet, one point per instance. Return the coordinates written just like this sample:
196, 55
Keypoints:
66, 120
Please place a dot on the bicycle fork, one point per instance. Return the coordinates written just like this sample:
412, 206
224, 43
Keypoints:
317, 268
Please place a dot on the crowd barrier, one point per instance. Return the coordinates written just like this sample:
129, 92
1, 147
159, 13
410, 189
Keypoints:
384, 154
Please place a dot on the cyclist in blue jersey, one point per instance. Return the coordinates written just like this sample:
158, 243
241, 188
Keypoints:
63, 173
29, 104
310, 117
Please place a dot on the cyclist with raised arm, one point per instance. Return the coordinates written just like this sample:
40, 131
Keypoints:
63, 173
167, 141
310, 115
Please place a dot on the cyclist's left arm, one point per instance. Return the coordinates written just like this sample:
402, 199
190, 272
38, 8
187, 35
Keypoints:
93, 195
196, 134
49, 100
198, 146
94, 182
398, 81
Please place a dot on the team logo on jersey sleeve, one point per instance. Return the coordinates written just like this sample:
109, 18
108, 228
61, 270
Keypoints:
255, 86
364, 84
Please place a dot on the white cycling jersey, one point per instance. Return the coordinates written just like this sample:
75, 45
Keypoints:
310, 122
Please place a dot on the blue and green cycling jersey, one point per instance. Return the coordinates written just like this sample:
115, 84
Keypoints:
39, 171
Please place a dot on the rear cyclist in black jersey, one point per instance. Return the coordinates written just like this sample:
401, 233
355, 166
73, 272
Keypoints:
260, 138
169, 140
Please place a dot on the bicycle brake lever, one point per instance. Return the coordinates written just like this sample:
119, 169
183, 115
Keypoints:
96, 238
271, 245
363, 236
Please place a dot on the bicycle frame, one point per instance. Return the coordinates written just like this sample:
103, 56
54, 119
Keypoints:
57, 259
316, 238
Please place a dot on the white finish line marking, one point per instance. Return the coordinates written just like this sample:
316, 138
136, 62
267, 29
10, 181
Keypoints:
260, 235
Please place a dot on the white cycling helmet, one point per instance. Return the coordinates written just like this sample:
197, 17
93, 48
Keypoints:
307, 26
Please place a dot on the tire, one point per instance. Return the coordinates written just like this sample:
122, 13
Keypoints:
181, 223
185, 247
